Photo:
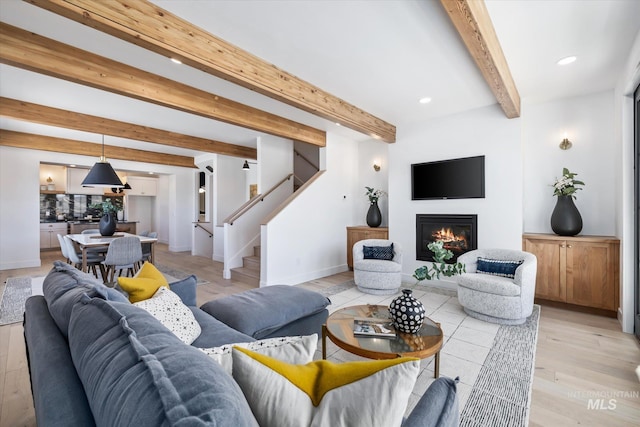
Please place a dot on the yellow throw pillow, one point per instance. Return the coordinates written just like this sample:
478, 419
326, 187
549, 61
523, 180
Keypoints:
144, 284
322, 393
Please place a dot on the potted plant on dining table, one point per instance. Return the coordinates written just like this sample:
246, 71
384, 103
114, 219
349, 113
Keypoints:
107, 224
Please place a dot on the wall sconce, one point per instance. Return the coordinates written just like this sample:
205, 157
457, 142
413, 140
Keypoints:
376, 166
245, 166
565, 144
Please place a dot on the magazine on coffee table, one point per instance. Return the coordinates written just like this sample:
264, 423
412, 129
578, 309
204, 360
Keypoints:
374, 327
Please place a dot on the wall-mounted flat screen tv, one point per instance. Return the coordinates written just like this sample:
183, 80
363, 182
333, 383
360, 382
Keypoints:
448, 179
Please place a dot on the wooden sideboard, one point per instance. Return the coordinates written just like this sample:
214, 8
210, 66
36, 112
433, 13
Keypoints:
577, 272
362, 232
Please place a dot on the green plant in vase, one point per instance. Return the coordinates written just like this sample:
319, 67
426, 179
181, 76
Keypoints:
439, 266
106, 206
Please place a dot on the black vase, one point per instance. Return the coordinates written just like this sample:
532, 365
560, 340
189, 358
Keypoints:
407, 312
107, 224
374, 217
566, 219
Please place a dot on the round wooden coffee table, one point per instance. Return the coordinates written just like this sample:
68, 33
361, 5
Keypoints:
339, 329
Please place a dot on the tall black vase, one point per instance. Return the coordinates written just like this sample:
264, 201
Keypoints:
566, 219
374, 217
107, 224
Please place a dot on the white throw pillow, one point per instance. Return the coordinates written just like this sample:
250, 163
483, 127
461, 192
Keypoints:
323, 393
167, 307
296, 350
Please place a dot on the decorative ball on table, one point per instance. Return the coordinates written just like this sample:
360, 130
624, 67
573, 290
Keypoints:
407, 312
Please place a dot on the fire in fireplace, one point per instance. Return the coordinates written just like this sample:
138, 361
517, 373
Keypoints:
458, 233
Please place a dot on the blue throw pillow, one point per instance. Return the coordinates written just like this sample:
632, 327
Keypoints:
497, 267
378, 252
186, 290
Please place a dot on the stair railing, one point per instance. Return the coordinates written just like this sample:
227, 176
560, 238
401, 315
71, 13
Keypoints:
254, 201
239, 239
197, 224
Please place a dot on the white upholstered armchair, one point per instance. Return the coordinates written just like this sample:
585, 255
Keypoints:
495, 288
371, 272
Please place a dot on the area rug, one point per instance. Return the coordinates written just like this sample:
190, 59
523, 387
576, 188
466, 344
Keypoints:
336, 289
501, 396
16, 292
172, 273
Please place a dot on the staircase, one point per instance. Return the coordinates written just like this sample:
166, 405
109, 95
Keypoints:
249, 273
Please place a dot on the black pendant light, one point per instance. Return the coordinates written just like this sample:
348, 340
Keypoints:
245, 166
102, 174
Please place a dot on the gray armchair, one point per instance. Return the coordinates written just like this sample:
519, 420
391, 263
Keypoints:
494, 298
377, 276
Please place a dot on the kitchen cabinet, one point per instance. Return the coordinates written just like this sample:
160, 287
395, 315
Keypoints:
362, 232
141, 186
121, 227
49, 234
75, 176
581, 271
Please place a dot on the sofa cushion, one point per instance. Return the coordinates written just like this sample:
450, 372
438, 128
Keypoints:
498, 267
214, 332
65, 285
438, 406
489, 284
259, 312
168, 308
58, 396
378, 266
378, 252
295, 350
322, 393
137, 373
144, 284
186, 290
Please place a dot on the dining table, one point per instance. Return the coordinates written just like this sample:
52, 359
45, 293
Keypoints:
86, 241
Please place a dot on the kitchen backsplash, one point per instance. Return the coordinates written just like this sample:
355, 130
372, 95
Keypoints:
68, 207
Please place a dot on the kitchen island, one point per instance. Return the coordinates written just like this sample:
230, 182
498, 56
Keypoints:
77, 227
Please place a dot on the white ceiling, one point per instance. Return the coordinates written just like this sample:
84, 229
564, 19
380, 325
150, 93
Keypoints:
381, 56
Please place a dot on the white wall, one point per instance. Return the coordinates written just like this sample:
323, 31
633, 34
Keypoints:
19, 208
370, 152
229, 189
182, 196
307, 240
275, 161
624, 189
589, 123
483, 131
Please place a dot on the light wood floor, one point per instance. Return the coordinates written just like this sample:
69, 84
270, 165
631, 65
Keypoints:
579, 356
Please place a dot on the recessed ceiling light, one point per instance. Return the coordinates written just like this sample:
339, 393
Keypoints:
338, 124
425, 100
176, 61
150, 173
72, 166
567, 60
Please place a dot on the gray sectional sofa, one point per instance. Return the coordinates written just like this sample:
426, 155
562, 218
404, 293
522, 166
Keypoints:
96, 359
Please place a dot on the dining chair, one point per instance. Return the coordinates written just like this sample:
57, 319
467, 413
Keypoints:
124, 253
63, 248
93, 259
146, 247
91, 231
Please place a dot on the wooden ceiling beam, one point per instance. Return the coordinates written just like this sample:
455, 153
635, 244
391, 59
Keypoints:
31, 141
35, 113
151, 27
30, 51
472, 21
